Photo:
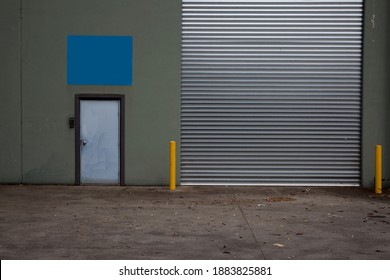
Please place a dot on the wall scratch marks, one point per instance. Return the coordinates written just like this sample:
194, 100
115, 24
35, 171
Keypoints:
373, 22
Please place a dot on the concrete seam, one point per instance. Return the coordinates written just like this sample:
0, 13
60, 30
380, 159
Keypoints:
247, 223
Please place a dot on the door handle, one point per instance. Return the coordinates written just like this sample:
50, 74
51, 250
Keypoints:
83, 142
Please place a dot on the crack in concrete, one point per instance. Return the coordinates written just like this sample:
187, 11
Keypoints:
247, 223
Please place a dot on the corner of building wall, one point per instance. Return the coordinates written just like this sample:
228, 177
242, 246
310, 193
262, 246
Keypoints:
375, 85
21, 85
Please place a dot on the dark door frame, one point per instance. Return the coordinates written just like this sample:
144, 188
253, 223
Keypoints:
121, 99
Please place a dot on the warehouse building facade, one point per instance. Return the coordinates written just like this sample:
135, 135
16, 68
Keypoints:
255, 92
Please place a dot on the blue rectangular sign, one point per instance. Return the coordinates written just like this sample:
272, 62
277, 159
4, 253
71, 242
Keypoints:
99, 60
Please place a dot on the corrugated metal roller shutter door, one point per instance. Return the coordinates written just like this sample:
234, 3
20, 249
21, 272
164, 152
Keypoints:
271, 92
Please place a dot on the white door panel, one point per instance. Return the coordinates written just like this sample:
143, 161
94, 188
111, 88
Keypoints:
99, 141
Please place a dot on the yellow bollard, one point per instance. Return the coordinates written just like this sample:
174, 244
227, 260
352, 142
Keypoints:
172, 166
378, 169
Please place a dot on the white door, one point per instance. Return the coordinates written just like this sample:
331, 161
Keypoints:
99, 142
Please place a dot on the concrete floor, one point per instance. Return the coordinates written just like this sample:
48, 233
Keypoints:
100, 222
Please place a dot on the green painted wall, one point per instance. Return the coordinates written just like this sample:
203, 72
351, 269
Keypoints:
10, 139
152, 103
376, 88
43, 150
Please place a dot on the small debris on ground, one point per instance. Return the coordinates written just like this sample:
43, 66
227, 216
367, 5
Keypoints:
225, 251
334, 216
278, 245
279, 199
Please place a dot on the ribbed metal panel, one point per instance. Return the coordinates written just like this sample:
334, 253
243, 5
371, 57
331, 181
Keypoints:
271, 92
